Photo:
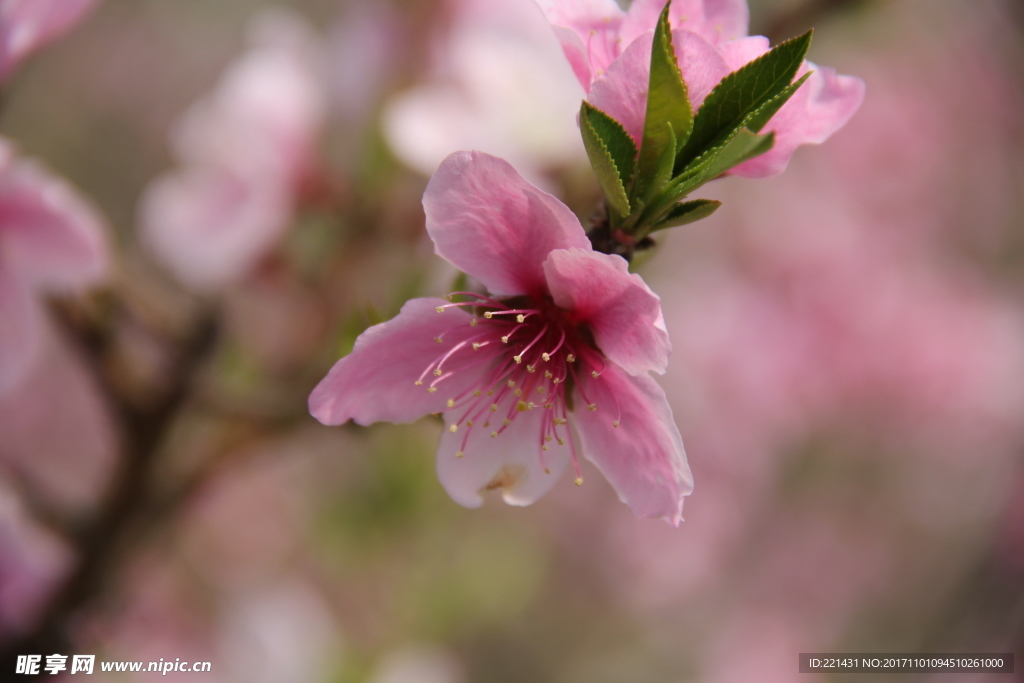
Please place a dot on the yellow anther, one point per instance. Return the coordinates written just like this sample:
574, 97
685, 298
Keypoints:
545, 356
494, 435
447, 297
547, 373
531, 369
490, 393
520, 318
548, 438
431, 390
547, 471
453, 428
488, 315
437, 372
593, 373
556, 380
579, 481
522, 407
504, 340
545, 448
469, 423
570, 358
419, 382
517, 359
494, 407
592, 407
560, 421
438, 340
507, 422
615, 424
472, 323
440, 309
451, 403
511, 383
518, 391
531, 405
561, 442
541, 390
476, 346
476, 393
459, 454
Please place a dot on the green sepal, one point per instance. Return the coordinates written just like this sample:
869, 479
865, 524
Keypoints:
688, 212
612, 154
742, 94
667, 102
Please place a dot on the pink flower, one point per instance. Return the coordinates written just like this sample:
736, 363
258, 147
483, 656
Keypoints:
245, 152
50, 240
552, 364
610, 51
28, 25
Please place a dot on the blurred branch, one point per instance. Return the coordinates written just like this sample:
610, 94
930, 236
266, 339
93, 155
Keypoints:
143, 429
785, 25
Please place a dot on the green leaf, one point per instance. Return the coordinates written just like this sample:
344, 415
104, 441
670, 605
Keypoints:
742, 93
759, 118
741, 146
612, 154
667, 102
688, 212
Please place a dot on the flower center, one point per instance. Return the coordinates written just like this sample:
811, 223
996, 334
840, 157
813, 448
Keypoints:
527, 355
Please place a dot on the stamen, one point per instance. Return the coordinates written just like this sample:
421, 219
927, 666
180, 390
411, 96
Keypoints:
459, 454
451, 403
453, 428
570, 358
547, 356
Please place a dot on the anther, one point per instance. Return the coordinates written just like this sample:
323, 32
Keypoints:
453, 428
545, 448
511, 383
579, 481
488, 315
476, 347
540, 390
459, 454
472, 323
451, 403
615, 424
440, 309
437, 372
545, 356
547, 439
418, 383
476, 393
494, 435
520, 318
518, 391
469, 423
593, 373
522, 407
494, 407
504, 340
507, 422
547, 373
431, 390
570, 358
592, 407
438, 340
561, 442
517, 359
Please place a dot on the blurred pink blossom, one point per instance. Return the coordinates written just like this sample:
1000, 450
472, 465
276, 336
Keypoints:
51, 240
499, 85
246, 154
28, 25
571, 332
610, 51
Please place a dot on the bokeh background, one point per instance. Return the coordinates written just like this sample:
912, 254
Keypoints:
847, 374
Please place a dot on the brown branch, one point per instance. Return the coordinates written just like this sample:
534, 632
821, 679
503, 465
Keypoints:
100, 541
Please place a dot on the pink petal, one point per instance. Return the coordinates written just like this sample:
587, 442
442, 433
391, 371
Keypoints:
376, 382
492, 224
27, 25
818, 109
210, 227
618, 307
50, 235
742, 50
643, 457
18, 332
622, 91
715, 20
589, 33
510, 462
